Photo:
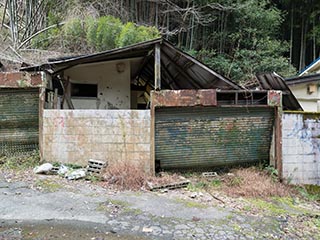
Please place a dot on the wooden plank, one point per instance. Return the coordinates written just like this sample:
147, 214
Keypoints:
157, 67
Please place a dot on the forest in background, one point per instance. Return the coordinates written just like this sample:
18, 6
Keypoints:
237, 38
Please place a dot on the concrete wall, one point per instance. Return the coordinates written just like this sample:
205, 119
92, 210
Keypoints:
75, 136
113, 84
309, 102
301, 147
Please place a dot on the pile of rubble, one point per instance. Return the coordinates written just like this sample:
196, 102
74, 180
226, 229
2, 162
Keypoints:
94, 168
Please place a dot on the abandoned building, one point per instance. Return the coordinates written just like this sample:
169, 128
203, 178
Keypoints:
154, 105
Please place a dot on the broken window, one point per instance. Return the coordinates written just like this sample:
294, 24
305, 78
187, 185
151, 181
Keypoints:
84, 90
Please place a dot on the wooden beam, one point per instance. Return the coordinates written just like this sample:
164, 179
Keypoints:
157, 67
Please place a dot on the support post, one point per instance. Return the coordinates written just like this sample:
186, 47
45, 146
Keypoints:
157, 68
42, 95
278, 140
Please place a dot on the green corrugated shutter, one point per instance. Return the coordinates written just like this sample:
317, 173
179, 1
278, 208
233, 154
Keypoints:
204, 137
19, 121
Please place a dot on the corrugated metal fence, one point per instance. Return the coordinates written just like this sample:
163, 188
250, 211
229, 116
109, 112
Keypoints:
19, 120
204, 137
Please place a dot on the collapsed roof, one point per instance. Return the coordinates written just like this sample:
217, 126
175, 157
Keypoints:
273, 81
178, 69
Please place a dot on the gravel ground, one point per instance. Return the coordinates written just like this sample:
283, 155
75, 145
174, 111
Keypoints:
48, 207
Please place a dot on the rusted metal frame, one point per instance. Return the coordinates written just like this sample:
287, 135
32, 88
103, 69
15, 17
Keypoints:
278, 140
184, 98
236, 96
181, 71
234, 85
157, 67
242, 91
242, 106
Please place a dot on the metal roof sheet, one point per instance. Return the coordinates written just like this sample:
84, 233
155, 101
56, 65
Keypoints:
178, 69
303, 79
273, 81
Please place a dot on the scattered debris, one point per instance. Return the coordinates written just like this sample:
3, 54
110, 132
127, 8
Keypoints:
209, 174
169, 186
195, 219
44, 168
76, 174
196, 194
63, 170
54, 170
147, 230
94, 168
193, 195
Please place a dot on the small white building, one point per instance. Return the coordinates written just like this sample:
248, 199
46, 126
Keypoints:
306, 89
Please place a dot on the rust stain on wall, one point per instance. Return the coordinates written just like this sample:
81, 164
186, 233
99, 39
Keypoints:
20, 80
184, 98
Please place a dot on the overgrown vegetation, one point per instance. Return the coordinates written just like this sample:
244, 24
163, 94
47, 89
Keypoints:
250, 182
236, 38
130, 176
20, 162
94, 34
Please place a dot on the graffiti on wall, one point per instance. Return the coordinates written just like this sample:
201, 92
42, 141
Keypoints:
301, 147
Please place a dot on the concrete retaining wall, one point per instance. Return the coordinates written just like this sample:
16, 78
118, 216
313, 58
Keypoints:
301, 147
74, 136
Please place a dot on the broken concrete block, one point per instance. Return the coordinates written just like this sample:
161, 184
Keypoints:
209, 174
44, 168
76, 174
96, 167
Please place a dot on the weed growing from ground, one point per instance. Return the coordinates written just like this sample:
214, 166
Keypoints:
309, 192
20, 162
252, 182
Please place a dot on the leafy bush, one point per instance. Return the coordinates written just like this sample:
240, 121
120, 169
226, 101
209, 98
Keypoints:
103, 32
131, 34
74, 33
94, 34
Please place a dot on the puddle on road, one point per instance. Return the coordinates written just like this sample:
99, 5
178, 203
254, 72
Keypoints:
79, 231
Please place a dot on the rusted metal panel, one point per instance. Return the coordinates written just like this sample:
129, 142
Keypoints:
204, 137
19, 121
272, 81
275, 98
20, 80
184, 98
